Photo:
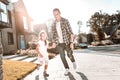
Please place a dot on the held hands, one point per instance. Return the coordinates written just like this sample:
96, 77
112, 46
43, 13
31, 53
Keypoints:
54, 45
40, 55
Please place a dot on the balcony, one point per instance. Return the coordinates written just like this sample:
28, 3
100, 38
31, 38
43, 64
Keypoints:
5, 1
4, 25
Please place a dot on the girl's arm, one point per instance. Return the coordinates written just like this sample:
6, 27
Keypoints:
38, 50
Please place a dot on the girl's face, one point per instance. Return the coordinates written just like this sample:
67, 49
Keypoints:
43, 36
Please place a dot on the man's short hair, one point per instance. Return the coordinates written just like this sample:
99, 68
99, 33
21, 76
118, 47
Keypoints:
56, 9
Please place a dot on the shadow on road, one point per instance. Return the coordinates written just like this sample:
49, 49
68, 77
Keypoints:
82, 76
71, 77
45, 78
37, 77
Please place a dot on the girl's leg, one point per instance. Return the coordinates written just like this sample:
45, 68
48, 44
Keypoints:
39, 62
45, 70
45, 67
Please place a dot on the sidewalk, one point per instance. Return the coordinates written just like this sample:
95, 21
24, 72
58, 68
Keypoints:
107, 46
90, 67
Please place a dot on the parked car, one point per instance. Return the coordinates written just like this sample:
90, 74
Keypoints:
80, 45
76, 45
83, 45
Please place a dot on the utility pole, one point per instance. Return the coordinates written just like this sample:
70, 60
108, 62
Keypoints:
79, 24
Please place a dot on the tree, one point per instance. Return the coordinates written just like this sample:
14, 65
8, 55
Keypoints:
96, 21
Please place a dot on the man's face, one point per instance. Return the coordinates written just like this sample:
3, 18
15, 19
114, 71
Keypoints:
57, 15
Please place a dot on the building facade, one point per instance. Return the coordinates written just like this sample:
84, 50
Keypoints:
7, 27
15, 26
23, 24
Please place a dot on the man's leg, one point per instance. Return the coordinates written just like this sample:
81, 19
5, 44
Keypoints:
70, 55
62, 55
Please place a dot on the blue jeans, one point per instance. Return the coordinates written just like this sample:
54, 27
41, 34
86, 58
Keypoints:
62, 47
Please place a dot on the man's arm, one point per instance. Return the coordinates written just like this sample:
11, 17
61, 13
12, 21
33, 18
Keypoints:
69, 30
72, 38
68, 27
71, 41
54, 34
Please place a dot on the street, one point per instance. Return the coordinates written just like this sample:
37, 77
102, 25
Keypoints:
93, 63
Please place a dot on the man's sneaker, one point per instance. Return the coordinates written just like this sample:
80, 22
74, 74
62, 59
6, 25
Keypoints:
74, 65
66, 72
45, 74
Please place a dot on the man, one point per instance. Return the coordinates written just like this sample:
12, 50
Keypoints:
63, 36
1, 71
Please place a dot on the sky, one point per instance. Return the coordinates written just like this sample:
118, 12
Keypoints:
73, 10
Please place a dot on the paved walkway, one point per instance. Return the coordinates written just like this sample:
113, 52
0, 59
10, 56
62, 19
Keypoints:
90, 67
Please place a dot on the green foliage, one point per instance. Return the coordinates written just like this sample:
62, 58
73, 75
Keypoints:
103, 23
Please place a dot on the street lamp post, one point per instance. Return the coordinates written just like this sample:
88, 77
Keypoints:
79, 24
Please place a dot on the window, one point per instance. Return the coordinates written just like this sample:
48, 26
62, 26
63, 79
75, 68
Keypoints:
10, 18
10, 38
3, 13
25, 23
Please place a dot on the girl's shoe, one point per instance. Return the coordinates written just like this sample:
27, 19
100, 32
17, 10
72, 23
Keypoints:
45, 74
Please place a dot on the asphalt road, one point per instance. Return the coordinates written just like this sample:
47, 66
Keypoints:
113, 50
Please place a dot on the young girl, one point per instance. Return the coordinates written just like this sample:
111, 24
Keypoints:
41, 49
